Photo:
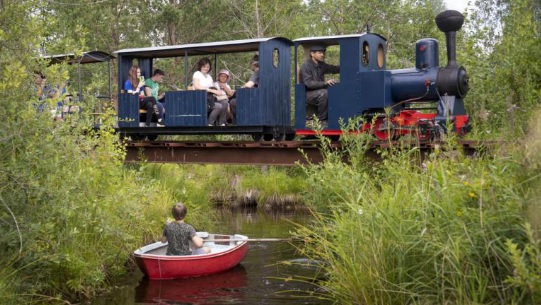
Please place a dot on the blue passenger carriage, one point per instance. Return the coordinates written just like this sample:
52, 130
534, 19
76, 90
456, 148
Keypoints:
263, 112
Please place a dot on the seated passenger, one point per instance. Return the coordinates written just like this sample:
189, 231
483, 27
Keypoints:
49, 97
43, 92
65, 103
252, 83
203, 81
225, 89
135, 85
152, 89
312, 75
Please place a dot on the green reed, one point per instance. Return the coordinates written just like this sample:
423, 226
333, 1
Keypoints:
408, 230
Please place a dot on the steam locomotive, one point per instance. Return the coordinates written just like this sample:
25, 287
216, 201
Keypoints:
422, 101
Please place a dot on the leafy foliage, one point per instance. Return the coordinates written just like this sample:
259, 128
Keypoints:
66, 199
402, 231
70, 212
504, 47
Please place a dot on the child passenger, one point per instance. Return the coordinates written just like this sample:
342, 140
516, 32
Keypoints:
179, 234
222, 85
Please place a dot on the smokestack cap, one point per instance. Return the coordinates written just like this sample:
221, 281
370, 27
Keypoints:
449, 21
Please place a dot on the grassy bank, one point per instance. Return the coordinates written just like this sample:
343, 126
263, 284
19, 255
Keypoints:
72, 212
78, 223
447, 229
232, 186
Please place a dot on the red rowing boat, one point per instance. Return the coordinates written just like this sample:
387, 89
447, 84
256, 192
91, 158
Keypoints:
227, 251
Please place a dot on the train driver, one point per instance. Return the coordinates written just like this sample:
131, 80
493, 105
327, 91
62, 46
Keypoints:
312, 75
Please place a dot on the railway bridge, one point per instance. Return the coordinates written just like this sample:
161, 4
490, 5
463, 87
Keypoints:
282, 153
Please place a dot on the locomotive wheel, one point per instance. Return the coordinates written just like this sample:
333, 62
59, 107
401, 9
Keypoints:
334, 138
152, 137
279, 137
290, 137
424, 131
382, 131
257, 136
268, 137
137, 137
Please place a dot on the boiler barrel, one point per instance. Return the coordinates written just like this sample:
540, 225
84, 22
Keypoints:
411, 83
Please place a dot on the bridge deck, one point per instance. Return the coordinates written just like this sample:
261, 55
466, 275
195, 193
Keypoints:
285, 153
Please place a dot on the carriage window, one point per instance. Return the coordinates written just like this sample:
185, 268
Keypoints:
275, 58
381, 56
365, 58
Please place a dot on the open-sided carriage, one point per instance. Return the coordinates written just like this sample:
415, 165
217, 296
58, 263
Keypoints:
263, 112
73, 100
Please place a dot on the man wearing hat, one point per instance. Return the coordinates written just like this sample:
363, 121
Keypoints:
312, 75
254, 79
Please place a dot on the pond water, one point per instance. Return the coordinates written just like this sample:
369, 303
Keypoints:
265, 276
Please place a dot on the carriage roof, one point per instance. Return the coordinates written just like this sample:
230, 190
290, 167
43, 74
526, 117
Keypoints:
329, 40
205, 48
85, 58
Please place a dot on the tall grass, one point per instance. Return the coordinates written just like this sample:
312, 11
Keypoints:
412, 230
230, 186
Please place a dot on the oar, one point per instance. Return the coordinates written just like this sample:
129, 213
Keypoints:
249, 239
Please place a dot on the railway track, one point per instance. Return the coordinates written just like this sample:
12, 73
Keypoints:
284, 153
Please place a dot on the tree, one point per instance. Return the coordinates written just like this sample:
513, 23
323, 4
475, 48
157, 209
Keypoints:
505, 51
65, 196
402, 23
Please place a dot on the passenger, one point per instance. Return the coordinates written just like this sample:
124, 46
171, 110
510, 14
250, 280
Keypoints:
223, 86
145, 103
252, 83
48, 95
43, 91
312, 75
135, 84
179, 234
203, 81
152, 89
65, 103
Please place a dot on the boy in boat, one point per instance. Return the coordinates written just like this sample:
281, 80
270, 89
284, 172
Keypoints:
179, 234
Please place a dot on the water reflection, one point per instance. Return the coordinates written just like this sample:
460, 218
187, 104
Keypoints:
223, 288
266, 276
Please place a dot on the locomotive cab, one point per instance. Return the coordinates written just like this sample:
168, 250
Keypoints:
364, 83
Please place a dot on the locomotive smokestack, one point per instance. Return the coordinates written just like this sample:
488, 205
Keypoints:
452, 80
450, 22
